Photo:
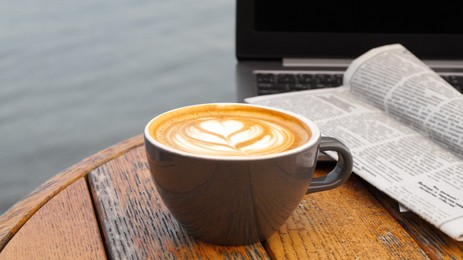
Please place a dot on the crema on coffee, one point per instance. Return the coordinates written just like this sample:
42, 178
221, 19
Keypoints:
229, 130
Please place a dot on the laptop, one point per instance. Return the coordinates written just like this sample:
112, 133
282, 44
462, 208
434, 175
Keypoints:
286, 46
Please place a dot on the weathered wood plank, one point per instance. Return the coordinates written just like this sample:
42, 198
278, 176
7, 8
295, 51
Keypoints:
344, 223
64, 228
136, 224
12, 220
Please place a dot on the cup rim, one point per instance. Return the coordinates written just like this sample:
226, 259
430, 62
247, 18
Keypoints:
313, 140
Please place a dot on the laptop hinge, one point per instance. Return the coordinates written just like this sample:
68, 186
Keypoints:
305, 62
438, 65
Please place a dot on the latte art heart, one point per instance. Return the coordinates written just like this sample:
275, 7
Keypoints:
231, 137
230, 131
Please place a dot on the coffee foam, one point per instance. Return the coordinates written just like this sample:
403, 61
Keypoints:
232, 130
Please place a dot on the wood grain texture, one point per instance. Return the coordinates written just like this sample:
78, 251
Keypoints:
136, 223
344, 223
64, 228
12, 220
433, 241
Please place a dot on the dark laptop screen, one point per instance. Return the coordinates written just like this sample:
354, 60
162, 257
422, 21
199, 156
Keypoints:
277, 29
358, 16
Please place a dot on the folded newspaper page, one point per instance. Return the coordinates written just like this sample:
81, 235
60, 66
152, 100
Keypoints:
404, 126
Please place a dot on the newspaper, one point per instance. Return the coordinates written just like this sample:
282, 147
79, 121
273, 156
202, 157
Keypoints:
404, 126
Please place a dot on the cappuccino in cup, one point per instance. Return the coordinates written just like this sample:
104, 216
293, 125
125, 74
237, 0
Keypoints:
232, 173
229, 130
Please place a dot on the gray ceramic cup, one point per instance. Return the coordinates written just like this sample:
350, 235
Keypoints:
237, 201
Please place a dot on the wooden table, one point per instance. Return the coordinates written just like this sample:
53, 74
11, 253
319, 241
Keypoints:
107, 207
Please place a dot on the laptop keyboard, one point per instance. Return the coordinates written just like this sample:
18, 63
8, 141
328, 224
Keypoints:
278, 82
455, 81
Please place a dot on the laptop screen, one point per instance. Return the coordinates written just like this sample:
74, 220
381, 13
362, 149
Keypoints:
345, 29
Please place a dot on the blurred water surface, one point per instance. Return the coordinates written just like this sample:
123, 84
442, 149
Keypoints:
79, 76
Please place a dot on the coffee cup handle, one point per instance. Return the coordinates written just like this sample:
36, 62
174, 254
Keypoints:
341, 171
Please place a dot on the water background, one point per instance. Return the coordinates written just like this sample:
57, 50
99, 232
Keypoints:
79, 76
